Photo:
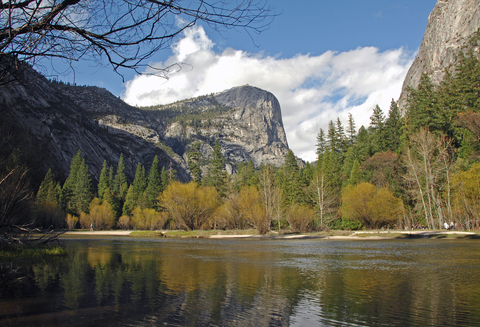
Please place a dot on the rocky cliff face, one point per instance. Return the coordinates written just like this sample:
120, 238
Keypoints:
450, 26
249, 127
54, 120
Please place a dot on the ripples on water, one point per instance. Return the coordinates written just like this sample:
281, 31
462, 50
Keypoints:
225, 282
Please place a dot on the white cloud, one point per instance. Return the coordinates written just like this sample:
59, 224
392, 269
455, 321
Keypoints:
312, 90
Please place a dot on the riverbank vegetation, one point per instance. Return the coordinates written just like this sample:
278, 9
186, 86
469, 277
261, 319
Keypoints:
416, 169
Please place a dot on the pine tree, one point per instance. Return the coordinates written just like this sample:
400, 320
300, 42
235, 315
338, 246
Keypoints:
307, 174
48, 191
139, 183
120, 184
351, 131
377, 127
348, 164
321, 143
154, 185
246, 175
355, 173
423, 108
77, 190
363, 144
70, 182
393, 127
340, 133
83, 190
218, 175
164, 179
135, 191
104, 182
194, 157
290, 166
332, 139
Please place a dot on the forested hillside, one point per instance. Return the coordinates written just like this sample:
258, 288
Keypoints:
420, 169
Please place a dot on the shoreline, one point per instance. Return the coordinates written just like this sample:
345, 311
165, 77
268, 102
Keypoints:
355, 235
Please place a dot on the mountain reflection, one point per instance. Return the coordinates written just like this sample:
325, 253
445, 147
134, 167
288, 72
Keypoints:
200, 282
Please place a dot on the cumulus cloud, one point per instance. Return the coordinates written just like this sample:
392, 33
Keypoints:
312, 90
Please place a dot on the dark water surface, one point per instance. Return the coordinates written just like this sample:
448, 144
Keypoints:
204, 282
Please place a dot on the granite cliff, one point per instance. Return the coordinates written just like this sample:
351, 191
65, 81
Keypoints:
451, 24
50, 121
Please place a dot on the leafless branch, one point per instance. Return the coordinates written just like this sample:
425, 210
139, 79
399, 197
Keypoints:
122, 33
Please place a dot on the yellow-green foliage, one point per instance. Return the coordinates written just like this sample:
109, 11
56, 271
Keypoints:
124, 222
101, 215
372, 207
229, 215
71, 221
300, 217
147, 219
253, 209
189, 205
465, 190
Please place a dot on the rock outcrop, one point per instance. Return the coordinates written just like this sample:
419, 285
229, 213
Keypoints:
55, 120
451, 24
250, 127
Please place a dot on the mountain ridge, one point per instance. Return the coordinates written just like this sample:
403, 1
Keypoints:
60, 119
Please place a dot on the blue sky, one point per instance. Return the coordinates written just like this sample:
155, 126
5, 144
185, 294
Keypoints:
322, 59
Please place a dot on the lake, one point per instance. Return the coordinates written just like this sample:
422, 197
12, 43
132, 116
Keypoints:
115, 281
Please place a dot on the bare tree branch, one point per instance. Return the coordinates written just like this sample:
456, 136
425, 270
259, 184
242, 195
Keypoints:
122, 33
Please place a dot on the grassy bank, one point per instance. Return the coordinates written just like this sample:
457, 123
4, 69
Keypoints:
17, 252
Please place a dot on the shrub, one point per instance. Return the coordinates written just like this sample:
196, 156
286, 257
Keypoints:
71, 221
252, 208
371, 207
189, 205
147, 219
300, 217
123, 222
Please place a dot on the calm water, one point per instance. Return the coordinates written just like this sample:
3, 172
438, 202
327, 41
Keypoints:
200, 282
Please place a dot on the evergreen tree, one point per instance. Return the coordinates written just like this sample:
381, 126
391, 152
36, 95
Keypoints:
130, 201
332, 139
423, 108
307, 174
321, 147
393, 127
49, 190
83, 190
348, 164
218, 175
321, 143
120, 184
104, 182
340, 133
246, 175
355, 173
70, 183
139, 183
77, 190
363, 144
164, 178
467, 81
290, 166
377, 127
194, 157
351, 131
154, 185
135, 191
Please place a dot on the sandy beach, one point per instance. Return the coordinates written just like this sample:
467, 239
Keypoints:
375, 235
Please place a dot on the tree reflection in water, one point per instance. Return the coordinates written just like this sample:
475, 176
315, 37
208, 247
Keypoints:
247, 282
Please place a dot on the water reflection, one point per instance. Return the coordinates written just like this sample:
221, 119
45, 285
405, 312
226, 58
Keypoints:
190, 282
